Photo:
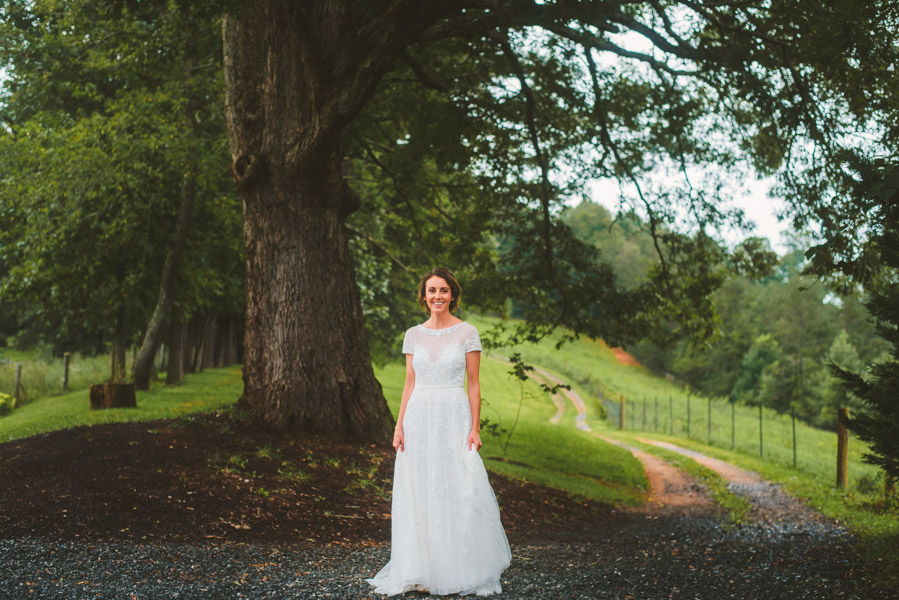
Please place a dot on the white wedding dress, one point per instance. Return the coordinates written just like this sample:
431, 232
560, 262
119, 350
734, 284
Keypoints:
446, 533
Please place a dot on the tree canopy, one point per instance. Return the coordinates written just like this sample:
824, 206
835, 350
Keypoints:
107, 113
372, 140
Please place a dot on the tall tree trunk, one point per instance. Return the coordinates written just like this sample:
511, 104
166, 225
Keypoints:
209, 337
156, 326
187, 350
177, 341
120, 346
293, 82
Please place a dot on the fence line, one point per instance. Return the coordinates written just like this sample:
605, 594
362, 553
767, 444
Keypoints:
778, 438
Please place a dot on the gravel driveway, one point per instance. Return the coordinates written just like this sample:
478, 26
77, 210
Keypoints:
636, 556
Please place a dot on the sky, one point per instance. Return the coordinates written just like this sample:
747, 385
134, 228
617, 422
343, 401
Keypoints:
758, 206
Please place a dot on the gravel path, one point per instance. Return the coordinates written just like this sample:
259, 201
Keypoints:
673, 546
636, 556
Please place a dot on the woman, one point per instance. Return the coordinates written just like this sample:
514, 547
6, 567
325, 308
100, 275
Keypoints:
446, 533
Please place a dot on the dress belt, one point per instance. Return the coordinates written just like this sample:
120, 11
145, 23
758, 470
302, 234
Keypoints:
438, 387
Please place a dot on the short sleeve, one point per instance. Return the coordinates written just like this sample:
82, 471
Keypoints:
407, 342
473, 341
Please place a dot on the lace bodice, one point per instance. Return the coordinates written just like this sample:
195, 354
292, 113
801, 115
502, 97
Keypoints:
438, 355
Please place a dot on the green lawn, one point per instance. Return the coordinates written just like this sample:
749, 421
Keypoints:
591, 367
213, 389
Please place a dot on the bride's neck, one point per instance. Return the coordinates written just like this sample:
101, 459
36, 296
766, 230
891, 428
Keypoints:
443, 321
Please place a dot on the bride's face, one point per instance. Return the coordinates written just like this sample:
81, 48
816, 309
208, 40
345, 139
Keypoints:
438, 295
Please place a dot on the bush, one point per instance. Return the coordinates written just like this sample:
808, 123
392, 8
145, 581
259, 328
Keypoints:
7, 403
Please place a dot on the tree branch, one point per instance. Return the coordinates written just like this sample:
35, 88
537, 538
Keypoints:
427, 76
608, 142
542, 163
380, 247
588, 40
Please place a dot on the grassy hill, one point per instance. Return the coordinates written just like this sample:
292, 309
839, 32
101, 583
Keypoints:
594, 370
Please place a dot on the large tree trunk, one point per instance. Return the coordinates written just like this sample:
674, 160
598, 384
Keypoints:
119, 346
293, 82
156, 326
207, 360
177, 342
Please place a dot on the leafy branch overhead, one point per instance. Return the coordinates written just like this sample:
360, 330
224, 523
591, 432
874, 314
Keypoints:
510, 109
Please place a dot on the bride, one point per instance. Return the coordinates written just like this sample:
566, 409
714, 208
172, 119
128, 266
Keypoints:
446, 533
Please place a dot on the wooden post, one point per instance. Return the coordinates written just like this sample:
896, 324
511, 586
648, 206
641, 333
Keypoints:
733, 428
621, 415
842, 447
761, 429
688, 415
889, 486
18, 394
66, 358
670, 415
644, 413
793, 418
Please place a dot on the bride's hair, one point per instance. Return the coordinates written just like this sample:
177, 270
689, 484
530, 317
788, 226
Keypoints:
455, 289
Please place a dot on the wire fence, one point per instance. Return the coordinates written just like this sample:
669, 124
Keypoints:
784, 439
28, 380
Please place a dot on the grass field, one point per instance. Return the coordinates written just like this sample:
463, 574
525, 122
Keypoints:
592, 369
42, 376
213, 389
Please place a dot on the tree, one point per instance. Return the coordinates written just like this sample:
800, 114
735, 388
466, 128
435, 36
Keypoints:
112, 129
784, 83
764, 351
843, 354
871, 259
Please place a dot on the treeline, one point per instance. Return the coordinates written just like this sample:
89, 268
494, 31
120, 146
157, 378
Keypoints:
775, 337
120, 228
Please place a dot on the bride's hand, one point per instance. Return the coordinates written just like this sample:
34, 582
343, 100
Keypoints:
399, 440
474, 439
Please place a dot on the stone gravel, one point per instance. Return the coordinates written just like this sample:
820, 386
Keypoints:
632, 556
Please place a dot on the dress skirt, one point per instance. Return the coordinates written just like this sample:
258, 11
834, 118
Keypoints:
446, 534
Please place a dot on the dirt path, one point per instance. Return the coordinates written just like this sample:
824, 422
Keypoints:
772, 507
671, 491
542, 376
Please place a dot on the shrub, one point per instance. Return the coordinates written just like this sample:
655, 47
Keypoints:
7, 403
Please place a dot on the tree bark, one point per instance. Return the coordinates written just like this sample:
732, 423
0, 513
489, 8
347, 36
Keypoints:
156, 326
111, 395
295, 76
209, 339
177, 341
120, 346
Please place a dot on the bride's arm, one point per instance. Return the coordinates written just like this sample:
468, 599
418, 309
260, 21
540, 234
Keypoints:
398, 437
472, 366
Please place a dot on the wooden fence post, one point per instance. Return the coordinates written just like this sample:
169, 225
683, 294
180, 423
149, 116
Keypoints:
66, 357
733, 427
761, 429
18, 395
793, 419
656, 429
621, 414
688, 415
842, 447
